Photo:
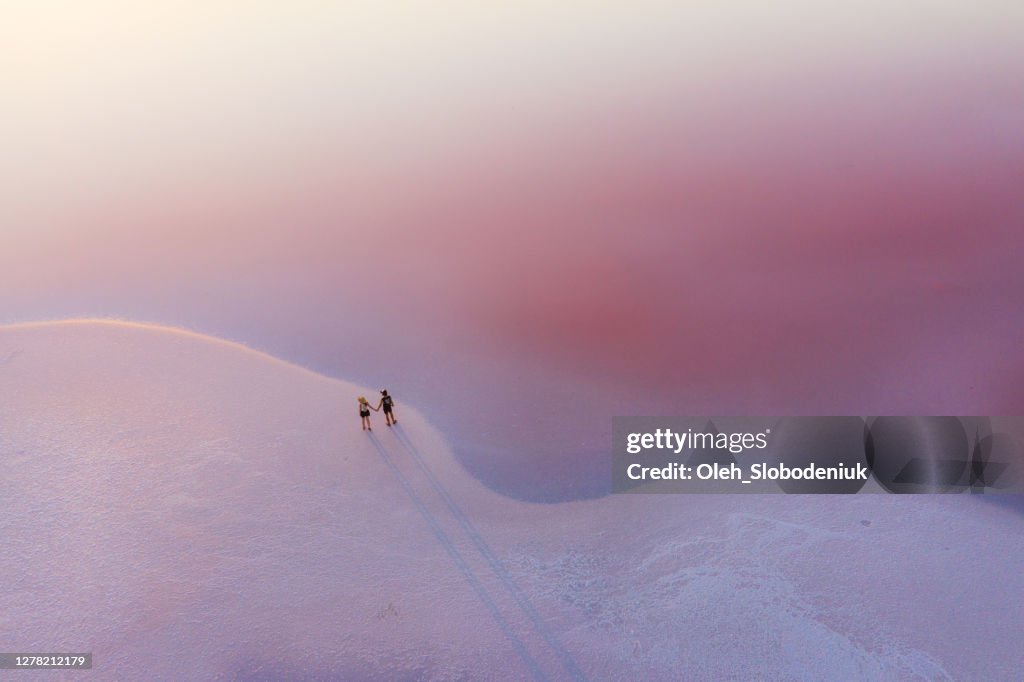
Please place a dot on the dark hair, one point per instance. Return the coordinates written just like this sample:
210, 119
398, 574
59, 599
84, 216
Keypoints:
383, 391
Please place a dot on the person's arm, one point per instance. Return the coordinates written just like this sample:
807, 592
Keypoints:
376, 409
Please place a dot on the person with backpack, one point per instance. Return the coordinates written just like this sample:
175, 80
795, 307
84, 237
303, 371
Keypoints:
387, 403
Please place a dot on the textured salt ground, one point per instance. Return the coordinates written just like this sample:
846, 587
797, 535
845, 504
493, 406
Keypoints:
186, 508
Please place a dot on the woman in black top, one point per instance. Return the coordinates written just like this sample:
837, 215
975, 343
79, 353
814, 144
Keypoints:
364, 413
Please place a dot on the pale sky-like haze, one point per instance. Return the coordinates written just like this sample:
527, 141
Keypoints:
528, 218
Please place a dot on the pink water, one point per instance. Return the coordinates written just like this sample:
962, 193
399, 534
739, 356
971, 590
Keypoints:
814, 216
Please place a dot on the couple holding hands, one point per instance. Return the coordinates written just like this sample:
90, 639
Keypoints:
386, 403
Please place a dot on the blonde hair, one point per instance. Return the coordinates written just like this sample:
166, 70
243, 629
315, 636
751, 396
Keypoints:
362, 399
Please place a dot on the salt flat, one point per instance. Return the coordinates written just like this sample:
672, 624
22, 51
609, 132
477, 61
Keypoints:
187, 508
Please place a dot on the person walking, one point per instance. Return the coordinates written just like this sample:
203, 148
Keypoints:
364, 413
388, 404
